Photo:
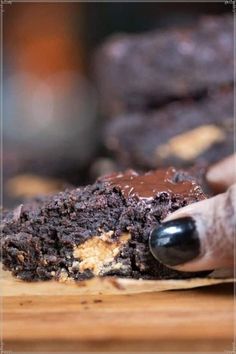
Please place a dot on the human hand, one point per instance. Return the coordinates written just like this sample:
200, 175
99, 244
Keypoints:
201, 236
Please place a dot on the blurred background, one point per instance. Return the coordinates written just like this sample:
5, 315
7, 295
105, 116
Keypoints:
52, 122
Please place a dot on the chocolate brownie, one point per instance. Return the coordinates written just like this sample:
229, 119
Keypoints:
182, 133
97, 230
141, 71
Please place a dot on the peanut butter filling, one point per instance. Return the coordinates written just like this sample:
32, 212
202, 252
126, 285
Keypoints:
191, 144
99, 251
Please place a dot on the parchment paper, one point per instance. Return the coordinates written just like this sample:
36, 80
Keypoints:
12, 286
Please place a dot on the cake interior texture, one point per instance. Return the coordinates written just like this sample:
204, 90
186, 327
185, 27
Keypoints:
97, 230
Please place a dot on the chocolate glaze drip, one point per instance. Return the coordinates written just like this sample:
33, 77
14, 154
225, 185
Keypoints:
147, 186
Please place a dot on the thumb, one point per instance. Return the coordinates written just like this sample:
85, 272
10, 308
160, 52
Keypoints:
200, 236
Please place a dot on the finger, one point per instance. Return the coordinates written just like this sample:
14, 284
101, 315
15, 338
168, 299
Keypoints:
199, 236
223, 174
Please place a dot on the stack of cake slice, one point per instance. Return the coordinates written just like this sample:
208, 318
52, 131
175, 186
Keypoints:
164, 88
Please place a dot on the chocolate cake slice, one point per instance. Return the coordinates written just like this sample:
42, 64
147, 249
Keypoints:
98, 230
182, 133
142, 71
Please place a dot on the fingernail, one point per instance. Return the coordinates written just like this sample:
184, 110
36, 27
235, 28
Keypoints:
175, 242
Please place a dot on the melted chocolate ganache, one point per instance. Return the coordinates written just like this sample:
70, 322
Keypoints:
149, 185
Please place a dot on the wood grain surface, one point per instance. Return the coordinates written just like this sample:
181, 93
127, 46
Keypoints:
185, 321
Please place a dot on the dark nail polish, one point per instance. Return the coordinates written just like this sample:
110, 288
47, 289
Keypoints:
175, 242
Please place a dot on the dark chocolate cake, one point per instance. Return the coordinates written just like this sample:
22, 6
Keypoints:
142, 71
181, 133
98, 230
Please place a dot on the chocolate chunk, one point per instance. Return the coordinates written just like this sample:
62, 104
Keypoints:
149, 185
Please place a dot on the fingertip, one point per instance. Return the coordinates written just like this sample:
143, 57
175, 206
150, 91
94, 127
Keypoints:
197, 237
175, 242
222, 174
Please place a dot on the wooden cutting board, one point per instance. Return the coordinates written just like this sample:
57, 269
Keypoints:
184, 321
